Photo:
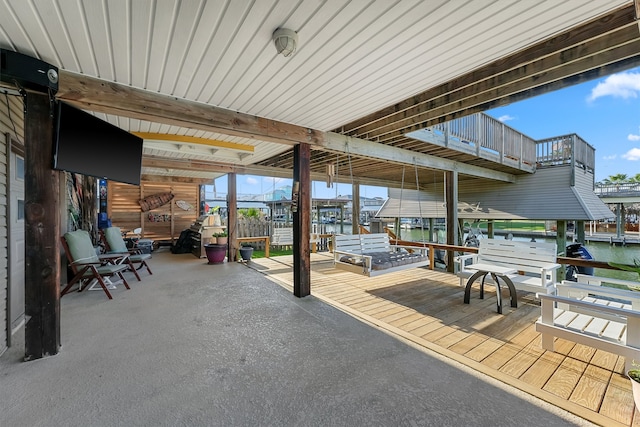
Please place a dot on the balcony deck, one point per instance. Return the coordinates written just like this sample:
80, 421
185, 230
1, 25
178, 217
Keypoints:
425, 308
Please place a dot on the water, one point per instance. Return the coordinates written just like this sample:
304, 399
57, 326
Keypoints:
601, 251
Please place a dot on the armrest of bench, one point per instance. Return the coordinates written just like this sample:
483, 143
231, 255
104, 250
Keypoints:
548, 300
461, 260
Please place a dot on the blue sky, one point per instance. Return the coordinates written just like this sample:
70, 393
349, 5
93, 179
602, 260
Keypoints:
604, 112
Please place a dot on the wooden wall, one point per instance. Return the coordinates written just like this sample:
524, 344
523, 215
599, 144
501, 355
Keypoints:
162, 224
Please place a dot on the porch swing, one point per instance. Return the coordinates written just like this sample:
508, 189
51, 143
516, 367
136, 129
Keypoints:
373, 254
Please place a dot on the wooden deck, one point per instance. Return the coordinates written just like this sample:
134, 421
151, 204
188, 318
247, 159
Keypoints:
426, 308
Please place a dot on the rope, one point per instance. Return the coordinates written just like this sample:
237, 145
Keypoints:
398, 236
419, 202
364, 267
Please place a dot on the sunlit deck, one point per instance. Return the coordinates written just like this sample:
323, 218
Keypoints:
426, 308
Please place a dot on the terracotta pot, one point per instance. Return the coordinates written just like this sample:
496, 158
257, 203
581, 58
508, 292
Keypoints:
222, 240
215, 253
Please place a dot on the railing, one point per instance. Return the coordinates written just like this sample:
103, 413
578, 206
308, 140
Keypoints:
486, 137
566, 149
621, 189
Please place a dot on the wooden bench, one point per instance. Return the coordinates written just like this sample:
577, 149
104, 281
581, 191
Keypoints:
534, 263
264, 239
373, 254
601, 317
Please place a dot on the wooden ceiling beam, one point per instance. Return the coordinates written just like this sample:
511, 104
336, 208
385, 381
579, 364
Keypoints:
544, 76
454, 94
112, 98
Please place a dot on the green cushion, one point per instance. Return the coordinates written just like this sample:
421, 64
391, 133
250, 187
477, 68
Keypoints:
80, 247
114, 240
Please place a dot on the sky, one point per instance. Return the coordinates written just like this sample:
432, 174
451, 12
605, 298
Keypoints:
604, 112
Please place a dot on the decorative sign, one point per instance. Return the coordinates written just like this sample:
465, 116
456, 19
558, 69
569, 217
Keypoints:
155, 201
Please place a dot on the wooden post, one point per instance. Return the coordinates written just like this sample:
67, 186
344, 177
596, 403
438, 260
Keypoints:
451, 194
42, 231
301, 200
232, 217
355, 208
490, 231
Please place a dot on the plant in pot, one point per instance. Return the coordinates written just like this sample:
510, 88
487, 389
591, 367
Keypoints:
246, 252
221, 238
634, 376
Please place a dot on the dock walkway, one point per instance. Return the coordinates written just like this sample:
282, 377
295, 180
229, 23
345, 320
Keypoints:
425, 308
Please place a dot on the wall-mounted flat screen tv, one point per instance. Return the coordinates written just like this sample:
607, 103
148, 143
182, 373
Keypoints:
90, 146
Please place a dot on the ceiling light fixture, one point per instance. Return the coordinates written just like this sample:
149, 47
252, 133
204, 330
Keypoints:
286, 41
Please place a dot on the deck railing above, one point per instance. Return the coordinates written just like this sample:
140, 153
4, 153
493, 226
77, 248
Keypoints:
628, 189
566, 149
483, 136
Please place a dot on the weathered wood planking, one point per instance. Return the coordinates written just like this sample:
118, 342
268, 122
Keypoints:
426, 307
163, 223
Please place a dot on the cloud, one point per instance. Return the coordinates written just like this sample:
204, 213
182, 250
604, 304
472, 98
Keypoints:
611, 157
633, 154
633, 137
505, 118
251, 180
621, 85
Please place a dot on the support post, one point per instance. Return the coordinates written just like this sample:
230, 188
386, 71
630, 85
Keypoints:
580, 231
619, 220
42, 231
561, 242
355, 208
431, 230
490, 230
301, 199
451, 201
232, 217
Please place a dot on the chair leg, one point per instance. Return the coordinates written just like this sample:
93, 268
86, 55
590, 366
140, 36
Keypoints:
132, 268
126, 284
147, 265
104, 286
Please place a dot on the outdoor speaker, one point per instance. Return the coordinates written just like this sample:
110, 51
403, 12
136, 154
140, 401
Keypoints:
22, 71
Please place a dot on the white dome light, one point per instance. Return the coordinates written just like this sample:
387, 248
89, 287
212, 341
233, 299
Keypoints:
286, 41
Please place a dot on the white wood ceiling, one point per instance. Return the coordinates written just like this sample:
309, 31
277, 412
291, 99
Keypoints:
354, 57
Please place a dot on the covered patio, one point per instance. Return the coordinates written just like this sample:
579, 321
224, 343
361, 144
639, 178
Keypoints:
217, 346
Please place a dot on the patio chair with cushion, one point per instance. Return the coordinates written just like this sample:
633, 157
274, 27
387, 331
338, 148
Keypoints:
87, 267
115, 244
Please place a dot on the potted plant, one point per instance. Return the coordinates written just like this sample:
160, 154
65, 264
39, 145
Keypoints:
634, 376
221, 238
215, 253
246, 252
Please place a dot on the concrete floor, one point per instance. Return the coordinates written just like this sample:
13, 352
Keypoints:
221, 345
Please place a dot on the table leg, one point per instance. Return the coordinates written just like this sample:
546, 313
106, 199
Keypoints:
473, 278
498, 293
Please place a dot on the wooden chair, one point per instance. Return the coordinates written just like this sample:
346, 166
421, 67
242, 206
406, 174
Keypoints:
115, 245
87, 267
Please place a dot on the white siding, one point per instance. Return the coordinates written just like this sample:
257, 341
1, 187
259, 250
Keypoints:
11, 121
545, 195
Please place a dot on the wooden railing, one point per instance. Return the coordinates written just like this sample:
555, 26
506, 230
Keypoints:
566, 149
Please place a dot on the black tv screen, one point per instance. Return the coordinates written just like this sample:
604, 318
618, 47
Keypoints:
90, 146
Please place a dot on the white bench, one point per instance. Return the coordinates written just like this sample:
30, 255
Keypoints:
373, 254
598, 281
601, 317
534, 263
282, 237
